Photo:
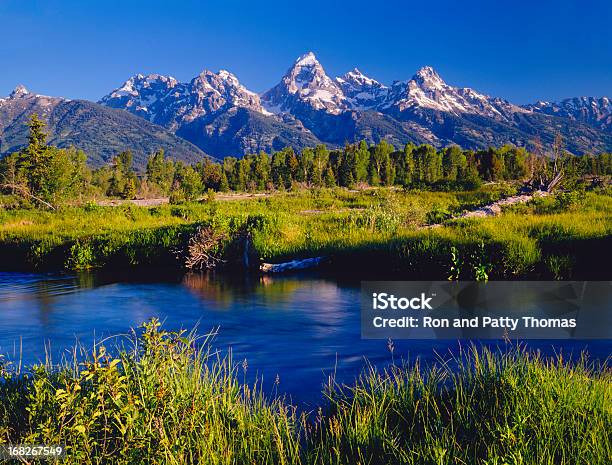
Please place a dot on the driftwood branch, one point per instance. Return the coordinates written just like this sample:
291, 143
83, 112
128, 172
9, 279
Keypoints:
25, 192
204, 249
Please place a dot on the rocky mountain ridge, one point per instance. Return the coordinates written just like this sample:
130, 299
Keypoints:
309, 105
214, 113
100, 131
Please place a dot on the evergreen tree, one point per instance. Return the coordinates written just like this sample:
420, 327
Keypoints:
117, 180
160, 172
122, 176
454, 163
305, 165
44, 173
362, 162
381, 170
432, 165
224, 185
261, 171
293, 166
346, 166
320, 162
404, 165
242, 170
229, 169
12, 176
389, 171
279, 170
187, 182
37, 157
515, 162
330, 179
427, 165
129, 189
491, 164
211, 174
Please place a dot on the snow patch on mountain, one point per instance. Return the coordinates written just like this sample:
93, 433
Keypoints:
428, 90
22, 94
305, 84
591, 110
170, 103
423, 108
19, 91
361, 91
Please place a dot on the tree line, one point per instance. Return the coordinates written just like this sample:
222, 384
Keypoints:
47, 174
380, 164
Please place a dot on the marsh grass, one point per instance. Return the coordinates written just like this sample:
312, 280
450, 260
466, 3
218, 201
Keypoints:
168, 398
478, 407
555, 238
165, 397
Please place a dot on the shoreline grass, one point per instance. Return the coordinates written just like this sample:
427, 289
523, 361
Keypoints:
552, 238
167, 397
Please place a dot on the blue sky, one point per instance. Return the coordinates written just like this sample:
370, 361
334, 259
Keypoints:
520, 50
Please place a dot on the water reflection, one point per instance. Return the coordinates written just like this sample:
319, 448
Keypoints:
301, 327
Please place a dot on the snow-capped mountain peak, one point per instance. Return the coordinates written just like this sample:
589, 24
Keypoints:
429, 78
229, 77
357, 77
362, 91
147, 96
144, 84
427, 90
19, 91
305, 84
590, 110
170, 103
307, 74
216, 90
308, 59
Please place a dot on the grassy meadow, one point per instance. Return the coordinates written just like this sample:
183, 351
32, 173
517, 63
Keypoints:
165, 397
559, 237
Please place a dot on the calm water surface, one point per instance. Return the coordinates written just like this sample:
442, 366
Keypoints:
301, 328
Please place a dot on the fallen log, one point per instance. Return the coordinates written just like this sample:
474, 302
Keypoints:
24, 191
495, 208
293, 265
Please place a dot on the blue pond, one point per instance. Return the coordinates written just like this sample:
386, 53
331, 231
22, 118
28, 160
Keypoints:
302, 328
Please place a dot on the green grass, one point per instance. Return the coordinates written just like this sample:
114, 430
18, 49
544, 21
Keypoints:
167, 398
551, 238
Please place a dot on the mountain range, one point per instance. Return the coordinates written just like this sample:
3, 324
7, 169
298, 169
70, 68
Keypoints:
217, 114
98, 130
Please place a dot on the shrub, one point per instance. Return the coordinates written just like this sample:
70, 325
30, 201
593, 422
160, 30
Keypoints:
81, 256
438, 215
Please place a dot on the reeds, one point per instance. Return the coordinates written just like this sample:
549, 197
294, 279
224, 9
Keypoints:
168, 398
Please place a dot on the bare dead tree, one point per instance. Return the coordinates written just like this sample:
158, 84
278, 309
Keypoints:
204, 249
557, 168
546, 172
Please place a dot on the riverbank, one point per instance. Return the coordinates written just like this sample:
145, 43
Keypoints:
169, 398
564, 236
